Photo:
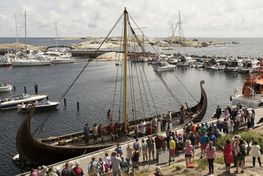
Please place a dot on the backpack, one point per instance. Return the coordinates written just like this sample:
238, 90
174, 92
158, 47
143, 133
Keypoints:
93, 168
242, 150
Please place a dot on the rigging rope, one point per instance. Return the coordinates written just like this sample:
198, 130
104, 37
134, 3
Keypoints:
168, 88
140, 90
146, 97
147, 82
184, 86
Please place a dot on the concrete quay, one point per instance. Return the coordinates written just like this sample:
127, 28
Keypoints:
86, 158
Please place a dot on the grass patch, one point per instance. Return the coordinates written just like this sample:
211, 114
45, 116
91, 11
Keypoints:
176, 167
202, 164
219, 160
144, 172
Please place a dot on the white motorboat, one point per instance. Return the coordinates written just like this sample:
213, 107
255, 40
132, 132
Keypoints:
30, 62
57, 57
39, 106
249, 66
6, 60
185, 61
12, 102
232, 65
6, 88
163, 66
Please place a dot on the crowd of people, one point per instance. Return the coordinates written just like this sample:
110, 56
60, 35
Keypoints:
204, 136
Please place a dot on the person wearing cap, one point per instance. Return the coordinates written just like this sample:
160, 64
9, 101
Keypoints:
78, 171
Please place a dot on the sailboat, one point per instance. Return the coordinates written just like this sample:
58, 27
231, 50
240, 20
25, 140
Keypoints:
22, 59
55, 149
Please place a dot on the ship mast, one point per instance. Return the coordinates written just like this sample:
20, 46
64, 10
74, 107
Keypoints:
125, 92
25, 32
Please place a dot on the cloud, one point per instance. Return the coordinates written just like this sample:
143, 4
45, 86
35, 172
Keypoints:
201, 18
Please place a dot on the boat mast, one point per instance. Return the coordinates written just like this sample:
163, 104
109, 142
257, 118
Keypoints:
25, 32
125, 92
16, 34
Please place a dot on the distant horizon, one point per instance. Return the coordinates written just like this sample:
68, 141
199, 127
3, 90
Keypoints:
78, 37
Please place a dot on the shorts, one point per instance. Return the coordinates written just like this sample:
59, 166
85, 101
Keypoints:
188, 155
203, 146
172, 152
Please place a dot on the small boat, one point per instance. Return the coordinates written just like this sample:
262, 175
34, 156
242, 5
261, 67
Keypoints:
38, 105
252, 91
249, 66
6, 60
12, 102
185, 61
57, 57
6, 88
232, 65
23, 61
163, 66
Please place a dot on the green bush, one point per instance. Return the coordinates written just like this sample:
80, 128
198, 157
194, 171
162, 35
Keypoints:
247, 136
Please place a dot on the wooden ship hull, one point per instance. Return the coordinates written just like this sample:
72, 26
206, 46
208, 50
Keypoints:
47, 151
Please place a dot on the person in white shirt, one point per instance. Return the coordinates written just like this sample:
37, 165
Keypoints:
255, 153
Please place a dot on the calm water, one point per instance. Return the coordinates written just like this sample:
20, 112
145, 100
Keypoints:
95, 91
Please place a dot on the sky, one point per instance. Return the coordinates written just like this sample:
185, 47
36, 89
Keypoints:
82, 18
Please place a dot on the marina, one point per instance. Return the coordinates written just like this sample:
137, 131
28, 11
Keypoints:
89, 89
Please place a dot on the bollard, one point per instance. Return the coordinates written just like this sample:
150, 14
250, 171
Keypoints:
65, 102
77, 105
25, 89
14, 88
47, 98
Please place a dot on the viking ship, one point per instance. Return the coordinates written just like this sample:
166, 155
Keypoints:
55, 149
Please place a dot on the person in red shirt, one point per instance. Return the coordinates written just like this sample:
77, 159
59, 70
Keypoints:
159, 141
228, 156
149, 130
78, 171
